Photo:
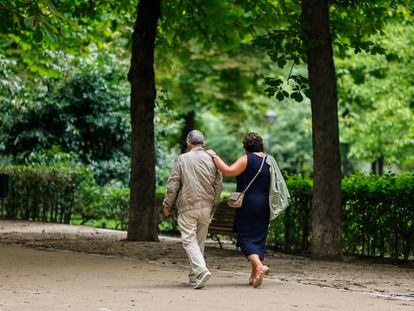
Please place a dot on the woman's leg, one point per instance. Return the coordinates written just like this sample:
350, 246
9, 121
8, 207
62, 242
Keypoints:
256, 263
258, 270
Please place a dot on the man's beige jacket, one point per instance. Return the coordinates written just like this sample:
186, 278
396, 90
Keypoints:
195, 182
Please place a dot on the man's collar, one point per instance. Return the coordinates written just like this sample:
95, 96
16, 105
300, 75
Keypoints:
197, 148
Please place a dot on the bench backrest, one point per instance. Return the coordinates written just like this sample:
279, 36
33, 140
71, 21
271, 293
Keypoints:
223, 220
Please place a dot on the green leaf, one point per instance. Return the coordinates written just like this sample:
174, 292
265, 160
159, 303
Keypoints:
29, 22
297, 96
280, 96
273, 81
281, 62
270, 91
377, 50
38, 35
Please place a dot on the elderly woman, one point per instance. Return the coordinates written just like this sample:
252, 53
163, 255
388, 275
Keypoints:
264, 200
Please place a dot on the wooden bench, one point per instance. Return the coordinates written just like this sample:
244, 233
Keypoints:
222, 223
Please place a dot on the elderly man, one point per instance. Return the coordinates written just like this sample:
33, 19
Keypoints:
194, 187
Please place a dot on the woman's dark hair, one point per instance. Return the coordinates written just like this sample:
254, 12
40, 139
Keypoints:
252, 142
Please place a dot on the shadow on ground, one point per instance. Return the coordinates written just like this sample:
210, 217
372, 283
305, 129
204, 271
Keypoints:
384, 280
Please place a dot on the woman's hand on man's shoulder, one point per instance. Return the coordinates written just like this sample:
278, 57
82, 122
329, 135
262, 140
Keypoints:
211, 152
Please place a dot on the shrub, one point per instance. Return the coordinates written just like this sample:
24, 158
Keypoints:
41, 193
378, 215
377, 219
116, 205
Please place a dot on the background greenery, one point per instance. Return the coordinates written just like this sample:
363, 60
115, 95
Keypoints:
377, 221
65, 122
81, 108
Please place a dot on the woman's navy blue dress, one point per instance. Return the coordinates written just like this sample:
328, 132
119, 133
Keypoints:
252, 219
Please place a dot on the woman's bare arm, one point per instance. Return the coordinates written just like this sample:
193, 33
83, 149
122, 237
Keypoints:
233, 170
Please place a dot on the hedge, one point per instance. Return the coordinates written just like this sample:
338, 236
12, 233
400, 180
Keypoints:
377, 217
59, 194
377, 220
40, 193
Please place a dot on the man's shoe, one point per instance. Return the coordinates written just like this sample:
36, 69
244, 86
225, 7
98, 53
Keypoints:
192, 280
202, 280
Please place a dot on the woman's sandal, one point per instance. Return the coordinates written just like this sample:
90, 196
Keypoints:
251, 281
258, 279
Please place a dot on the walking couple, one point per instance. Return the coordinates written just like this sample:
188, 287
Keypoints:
194, 187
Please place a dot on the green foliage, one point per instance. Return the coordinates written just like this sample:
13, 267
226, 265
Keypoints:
212, 24
32, 22
41, 193
84, 112
353, 26
224, 138
116, 204
55, 193
167, 131
40, 17
63, 101
376, 97
32, 31
208, 65
292, 229
291, 137
106, 205
67, 195
218, 86
89, 199
80, 117
377, 221
383, 223
377, 217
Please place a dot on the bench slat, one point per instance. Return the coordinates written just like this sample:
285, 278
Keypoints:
223, 220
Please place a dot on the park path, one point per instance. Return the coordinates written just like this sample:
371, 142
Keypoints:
33, 279
60, 267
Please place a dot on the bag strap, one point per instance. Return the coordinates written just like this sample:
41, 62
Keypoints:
255, 176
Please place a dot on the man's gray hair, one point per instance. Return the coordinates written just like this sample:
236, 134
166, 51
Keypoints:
195, 138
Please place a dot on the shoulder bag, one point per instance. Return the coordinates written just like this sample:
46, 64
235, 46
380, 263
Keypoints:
236, 198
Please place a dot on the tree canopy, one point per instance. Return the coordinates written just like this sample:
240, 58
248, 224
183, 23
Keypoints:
218, 66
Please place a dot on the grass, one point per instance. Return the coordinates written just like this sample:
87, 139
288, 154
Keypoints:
97, 223
103, 223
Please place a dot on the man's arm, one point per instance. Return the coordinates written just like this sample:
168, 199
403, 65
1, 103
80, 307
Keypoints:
173, 187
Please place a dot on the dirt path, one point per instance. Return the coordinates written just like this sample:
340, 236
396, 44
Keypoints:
47, 276
61, 280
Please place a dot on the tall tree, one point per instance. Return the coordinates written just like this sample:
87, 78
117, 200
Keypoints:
143, 217
326, 204
307, 35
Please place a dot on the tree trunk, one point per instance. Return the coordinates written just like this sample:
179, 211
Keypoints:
374, 167
189, 125
143, 217
381, 165
326, 203
377, 167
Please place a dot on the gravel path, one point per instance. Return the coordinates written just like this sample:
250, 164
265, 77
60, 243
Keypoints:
56, 267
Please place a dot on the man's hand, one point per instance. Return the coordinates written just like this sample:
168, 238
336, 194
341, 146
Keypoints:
166, 212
